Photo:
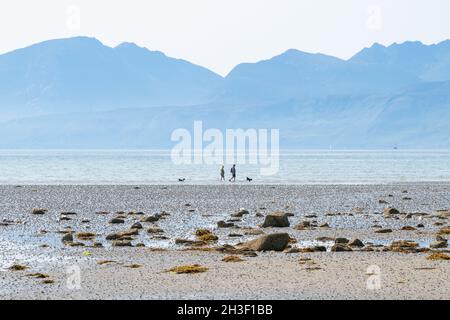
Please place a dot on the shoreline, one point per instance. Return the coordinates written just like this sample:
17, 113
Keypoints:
350, 211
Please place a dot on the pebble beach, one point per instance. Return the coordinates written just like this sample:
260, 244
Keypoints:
225, 241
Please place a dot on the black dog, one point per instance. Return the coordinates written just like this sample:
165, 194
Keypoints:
249, 180
181, 180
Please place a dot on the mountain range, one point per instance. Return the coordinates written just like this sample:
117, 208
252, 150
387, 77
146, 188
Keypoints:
79, 93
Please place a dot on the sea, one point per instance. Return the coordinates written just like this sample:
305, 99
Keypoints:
141, 167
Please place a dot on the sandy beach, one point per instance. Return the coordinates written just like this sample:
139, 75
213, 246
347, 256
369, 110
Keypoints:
322, 260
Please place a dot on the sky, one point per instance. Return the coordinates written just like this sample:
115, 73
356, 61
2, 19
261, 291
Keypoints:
219, 34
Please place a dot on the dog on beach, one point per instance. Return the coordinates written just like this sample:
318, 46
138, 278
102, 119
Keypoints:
249, 180
182, 180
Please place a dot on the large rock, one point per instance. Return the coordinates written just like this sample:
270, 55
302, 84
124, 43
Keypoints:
276, 219
268, 242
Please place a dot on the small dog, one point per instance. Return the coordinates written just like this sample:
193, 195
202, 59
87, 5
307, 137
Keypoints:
249, 180
182, 180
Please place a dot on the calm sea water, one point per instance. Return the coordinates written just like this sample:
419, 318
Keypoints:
156, 167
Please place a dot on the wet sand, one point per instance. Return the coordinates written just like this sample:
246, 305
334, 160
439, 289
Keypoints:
351, 211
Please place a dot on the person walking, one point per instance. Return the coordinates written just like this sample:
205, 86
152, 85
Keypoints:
222, 173
233, 173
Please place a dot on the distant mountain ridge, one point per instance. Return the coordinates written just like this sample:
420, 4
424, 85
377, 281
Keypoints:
81, 73
79, 93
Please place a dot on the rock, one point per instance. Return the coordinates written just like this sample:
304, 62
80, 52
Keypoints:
276, 219
136, 225
341, 241
268, 242
381, 201
124, 235
420, 225
189, 242
303, 225
324, 239
383, 231
253, 232
68, 237
68, 213
324, 225
122, 243
340, 248
153, 218
38, 211
240, 213
223, 224
439, 244
235, 235
259, 215
356, 243
390, 211
116, 221
408, 228
155, 230
85, 235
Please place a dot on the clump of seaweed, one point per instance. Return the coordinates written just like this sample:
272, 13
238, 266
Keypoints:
194, 268
17, 267
232, 259
134, 266
438, 256
205, 235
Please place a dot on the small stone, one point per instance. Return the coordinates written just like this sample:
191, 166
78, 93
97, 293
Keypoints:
116, 221
223, 224
153, 218
303, 225
122, 243
383, 231
68, 237
340, 248
38, 211
341, 241
390, 211
356, 243
136, 225
240, 213
155, 230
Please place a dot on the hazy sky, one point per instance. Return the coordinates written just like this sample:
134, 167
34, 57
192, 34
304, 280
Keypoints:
219, 34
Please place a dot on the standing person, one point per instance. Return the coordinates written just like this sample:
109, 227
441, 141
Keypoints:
222, 173
233, 173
